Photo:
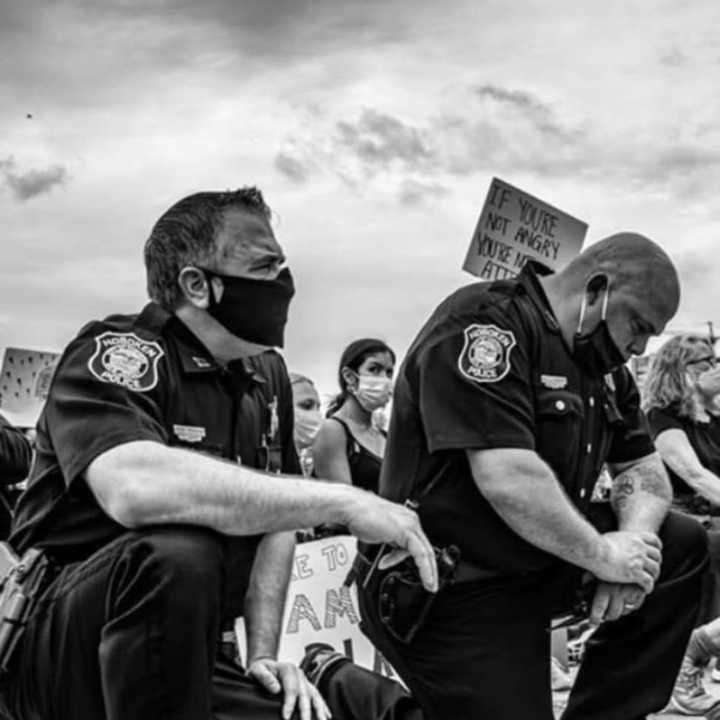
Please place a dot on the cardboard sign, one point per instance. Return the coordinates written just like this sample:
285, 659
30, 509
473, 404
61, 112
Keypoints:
514, 227
24, 384
319, 608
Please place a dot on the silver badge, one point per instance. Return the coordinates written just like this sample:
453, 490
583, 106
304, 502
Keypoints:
127, 360
485, 356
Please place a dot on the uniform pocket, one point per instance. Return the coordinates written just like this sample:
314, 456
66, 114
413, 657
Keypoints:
559, 416
559, 404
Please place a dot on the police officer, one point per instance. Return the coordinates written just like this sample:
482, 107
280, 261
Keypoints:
146, 500
509, 402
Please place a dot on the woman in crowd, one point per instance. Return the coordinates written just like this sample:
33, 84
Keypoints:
308, 418
680, 397
349, 446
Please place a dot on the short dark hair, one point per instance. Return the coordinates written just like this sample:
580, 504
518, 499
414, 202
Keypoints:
186, 235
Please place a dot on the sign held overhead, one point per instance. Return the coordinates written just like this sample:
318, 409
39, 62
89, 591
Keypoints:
514, 227
24, 384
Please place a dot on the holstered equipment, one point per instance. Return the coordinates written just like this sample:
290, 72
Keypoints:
402, 601
21, 582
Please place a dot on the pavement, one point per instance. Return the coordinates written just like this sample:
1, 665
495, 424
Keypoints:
560, 699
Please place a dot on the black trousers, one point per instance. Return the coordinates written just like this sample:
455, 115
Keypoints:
485, 648
133, 632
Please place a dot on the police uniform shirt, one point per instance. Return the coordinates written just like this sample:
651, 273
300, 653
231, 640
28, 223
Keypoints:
704, 438
144, 377
491, 369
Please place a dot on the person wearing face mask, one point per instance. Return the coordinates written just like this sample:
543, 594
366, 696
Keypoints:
349, 446
308, 418
165, 493
680, 396
511, 398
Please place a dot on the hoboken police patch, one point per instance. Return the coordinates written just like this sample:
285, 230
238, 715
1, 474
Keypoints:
127, 360
485, 356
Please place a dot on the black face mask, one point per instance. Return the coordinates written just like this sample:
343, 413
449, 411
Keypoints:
254, 310
596, 350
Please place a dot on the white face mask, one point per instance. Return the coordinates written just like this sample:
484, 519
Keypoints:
307, 424
373, 391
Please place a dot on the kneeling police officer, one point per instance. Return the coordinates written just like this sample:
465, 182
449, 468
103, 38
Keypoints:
156, 497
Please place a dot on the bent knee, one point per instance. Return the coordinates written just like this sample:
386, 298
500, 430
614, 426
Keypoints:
685, 542
183, 551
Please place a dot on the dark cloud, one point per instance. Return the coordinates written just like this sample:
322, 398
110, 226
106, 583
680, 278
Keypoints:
537, 111
504, 131
148, 44
31, 183
291, 167
517, 132
379, 140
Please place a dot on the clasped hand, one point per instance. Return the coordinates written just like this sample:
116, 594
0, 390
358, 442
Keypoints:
627, 574
630, 557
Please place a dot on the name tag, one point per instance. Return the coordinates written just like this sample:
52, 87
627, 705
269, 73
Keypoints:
189, 433
554, 382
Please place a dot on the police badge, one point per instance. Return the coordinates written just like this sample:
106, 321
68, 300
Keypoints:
127, 360
485, 356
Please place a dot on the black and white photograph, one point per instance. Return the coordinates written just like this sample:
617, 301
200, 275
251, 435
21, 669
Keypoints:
359, 360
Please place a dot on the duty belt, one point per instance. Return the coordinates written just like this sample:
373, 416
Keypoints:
464, 571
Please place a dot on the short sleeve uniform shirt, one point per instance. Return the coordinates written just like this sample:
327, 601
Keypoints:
145, 377
491, 369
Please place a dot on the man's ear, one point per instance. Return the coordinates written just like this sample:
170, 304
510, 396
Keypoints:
595, 288
195, 287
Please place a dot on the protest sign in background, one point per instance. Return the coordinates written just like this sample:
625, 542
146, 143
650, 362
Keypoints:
24, 384
514, 227
319, 608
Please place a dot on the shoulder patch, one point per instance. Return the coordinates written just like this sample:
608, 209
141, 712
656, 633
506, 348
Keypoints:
485, 356
127, 360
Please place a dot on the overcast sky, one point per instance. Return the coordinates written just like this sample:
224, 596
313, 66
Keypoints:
373, 127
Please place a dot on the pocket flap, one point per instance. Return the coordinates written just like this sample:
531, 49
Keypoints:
559, 403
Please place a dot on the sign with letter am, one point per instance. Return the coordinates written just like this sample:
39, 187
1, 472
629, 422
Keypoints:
514, 227
319, 608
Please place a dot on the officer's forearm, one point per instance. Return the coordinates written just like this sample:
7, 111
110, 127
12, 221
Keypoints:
524, 492
265, 599
147, 483
641, 495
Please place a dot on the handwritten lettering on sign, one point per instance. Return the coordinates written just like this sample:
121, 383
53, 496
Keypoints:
320, 608
514, 227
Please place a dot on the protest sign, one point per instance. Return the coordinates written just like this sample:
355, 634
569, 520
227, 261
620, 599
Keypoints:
514, 227
319, 608
24, 384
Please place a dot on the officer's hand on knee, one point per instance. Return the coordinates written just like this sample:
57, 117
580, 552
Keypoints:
297, 690
375, 520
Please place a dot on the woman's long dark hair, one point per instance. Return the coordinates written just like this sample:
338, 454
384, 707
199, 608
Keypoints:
353, 357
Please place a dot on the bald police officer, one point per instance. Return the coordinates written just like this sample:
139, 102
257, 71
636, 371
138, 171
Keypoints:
510, 400
147, 497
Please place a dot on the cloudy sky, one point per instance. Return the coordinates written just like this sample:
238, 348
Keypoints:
374, 128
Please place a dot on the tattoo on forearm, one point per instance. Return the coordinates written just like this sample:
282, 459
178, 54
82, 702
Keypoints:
623, 488
648, 478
